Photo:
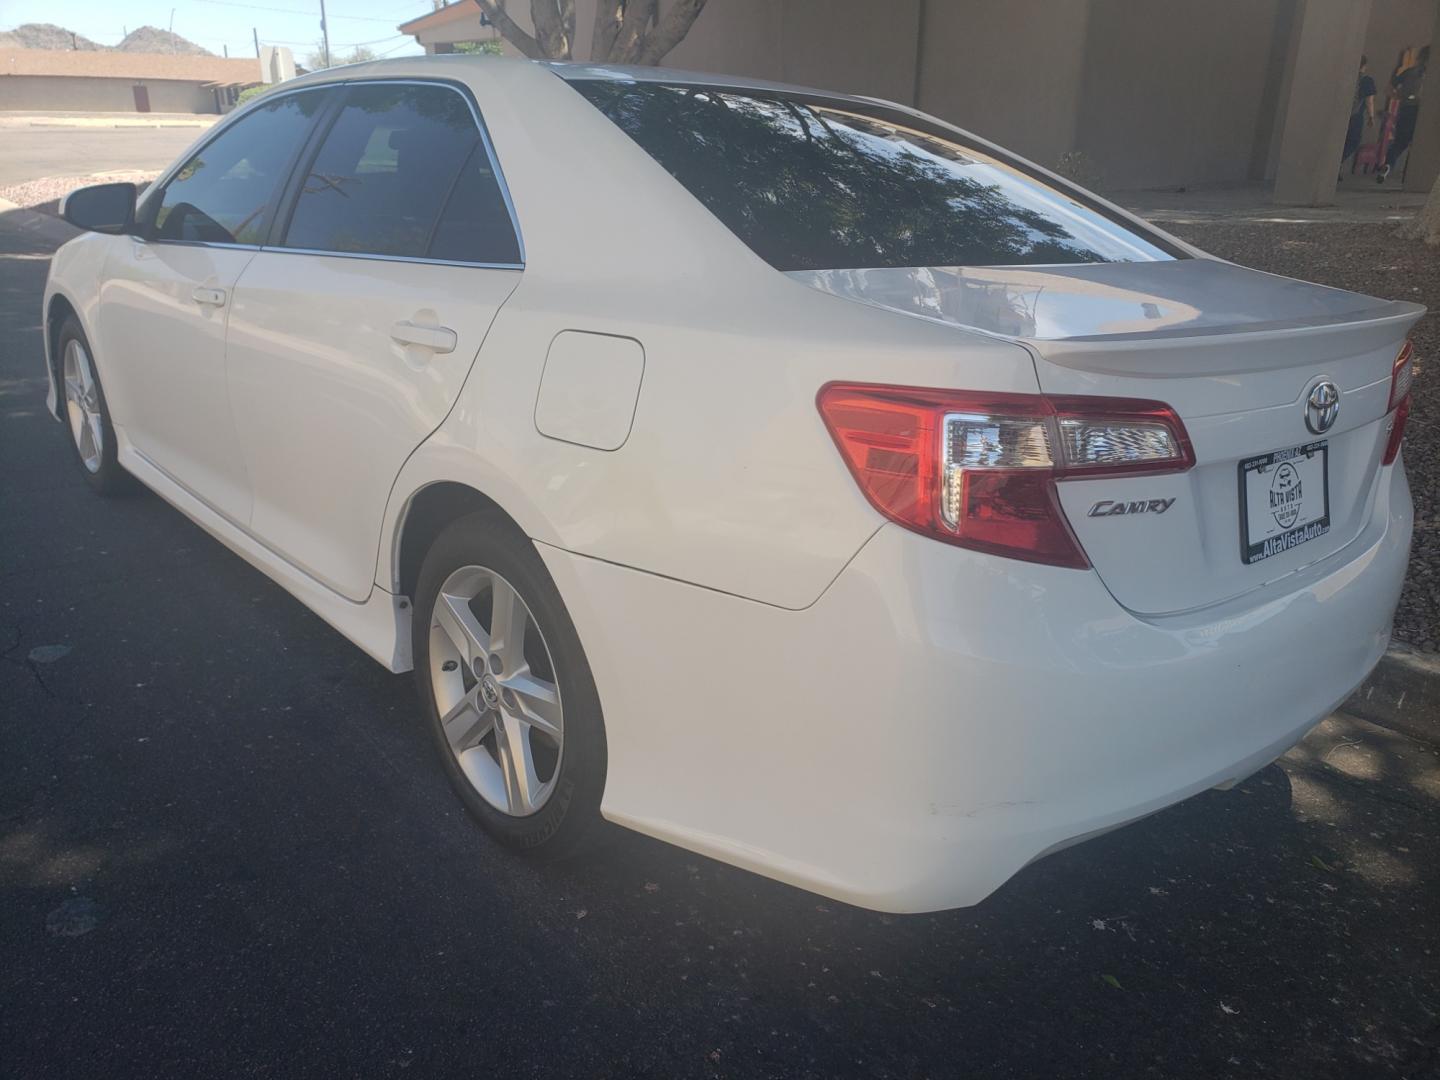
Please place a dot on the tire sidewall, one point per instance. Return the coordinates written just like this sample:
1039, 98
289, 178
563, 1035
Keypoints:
110, 478
490, 541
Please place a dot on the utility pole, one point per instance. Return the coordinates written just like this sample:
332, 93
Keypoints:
227, 51
256, 35
325, 33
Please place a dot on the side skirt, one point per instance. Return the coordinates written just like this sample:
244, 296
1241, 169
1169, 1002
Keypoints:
380, 626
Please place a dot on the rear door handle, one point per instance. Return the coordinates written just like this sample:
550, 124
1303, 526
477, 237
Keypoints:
438, 339
213, 297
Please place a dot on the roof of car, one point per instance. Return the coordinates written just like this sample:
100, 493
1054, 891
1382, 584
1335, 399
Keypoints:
571, 71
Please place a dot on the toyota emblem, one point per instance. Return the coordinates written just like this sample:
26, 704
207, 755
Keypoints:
1322, 406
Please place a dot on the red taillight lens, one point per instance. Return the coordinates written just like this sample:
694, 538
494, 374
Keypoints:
979, 469
1401, 376
1397, 431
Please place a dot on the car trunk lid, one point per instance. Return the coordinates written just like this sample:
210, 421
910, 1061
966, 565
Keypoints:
1236, 353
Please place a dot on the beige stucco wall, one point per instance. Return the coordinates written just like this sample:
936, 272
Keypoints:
1171, 91
77, 94
1156, 93
1007, 71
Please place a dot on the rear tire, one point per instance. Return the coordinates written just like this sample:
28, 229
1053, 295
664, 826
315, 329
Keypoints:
86, 413
510, 700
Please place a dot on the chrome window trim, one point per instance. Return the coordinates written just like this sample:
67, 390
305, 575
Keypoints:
266, 99
390, 258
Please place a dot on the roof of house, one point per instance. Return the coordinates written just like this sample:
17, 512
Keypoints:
108, 64
460, 9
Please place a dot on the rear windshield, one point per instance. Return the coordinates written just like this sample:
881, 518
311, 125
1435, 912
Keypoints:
811, 184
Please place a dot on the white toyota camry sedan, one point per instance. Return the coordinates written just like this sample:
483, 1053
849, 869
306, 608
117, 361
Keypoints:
790, 476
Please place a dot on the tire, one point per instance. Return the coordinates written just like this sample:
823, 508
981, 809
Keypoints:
87, 414
540, 792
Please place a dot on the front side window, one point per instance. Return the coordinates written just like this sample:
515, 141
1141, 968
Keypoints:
811, 184
222, 195
403, 171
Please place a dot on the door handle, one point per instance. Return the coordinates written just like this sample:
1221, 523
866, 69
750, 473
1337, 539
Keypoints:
438, 339
213, 297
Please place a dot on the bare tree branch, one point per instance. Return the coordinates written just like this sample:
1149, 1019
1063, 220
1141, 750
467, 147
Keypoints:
510, 29
635, 21
567, 23
550, 29
608, 15
670, 30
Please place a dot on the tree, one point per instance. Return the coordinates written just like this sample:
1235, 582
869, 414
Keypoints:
1427, 223
315, 60
478, 48
626, 31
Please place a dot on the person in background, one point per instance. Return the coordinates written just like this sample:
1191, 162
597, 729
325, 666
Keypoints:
1362, 112
1405, 85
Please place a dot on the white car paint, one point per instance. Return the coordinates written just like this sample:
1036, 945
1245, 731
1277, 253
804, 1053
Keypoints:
790, 683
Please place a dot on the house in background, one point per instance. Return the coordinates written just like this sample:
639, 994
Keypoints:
1152, 93
113, 81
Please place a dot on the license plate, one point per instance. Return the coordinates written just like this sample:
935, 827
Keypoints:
1284, 500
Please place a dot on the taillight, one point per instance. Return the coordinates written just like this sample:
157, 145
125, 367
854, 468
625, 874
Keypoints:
979, 469
1401, 376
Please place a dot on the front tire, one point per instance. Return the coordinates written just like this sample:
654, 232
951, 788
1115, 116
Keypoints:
87, 415
511, 703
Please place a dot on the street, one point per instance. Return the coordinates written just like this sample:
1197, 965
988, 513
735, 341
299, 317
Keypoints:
33, 152
226, 849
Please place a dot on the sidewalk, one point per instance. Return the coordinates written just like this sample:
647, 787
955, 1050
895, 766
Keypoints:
105, 120
1358, 200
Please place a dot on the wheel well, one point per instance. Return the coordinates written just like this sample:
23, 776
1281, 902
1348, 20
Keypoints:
431, 509
60, 310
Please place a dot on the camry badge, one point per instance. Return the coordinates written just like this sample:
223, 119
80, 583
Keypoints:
1322, 406
1110, 508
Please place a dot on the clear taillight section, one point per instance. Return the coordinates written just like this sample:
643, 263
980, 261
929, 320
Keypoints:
979, 469
1401, 376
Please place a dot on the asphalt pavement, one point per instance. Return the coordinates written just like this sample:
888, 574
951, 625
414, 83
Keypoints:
226, 850
33, 152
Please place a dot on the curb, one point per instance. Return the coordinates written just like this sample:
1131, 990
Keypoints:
1402, 693
44, 226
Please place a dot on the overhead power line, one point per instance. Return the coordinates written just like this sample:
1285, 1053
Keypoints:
292, 11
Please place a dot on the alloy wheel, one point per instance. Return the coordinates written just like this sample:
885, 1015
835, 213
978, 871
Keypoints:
496, 690
82, 405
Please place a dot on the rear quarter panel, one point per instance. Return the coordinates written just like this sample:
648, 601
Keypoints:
729, 478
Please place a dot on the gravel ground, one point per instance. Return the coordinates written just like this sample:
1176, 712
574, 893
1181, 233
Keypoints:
45, 194
1369, 259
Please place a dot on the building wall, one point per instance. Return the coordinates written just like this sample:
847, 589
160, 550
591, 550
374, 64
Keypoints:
1155, 93
1172, 90
53, 93
1007, 71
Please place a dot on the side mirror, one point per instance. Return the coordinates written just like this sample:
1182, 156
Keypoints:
104, 208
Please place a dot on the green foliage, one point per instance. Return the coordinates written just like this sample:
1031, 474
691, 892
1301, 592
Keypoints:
479, 48
249, 94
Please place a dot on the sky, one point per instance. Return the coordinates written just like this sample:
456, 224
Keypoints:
215, 24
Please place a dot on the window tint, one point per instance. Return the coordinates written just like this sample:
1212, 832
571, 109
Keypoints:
221, 195
813, 185
396, 156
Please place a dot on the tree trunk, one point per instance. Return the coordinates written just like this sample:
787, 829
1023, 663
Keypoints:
1427, 223
626, 31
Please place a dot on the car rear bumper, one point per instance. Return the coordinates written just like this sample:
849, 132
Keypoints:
939, 717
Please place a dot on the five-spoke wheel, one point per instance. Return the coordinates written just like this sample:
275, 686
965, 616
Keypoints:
494, 684
513, 707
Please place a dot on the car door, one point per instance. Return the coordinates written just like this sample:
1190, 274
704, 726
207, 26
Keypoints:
166, 297
351, 335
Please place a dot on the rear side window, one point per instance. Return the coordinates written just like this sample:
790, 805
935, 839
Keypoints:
810, 184
403, 171
222, 195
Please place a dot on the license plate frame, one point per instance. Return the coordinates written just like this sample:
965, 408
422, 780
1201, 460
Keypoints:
1280, 537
